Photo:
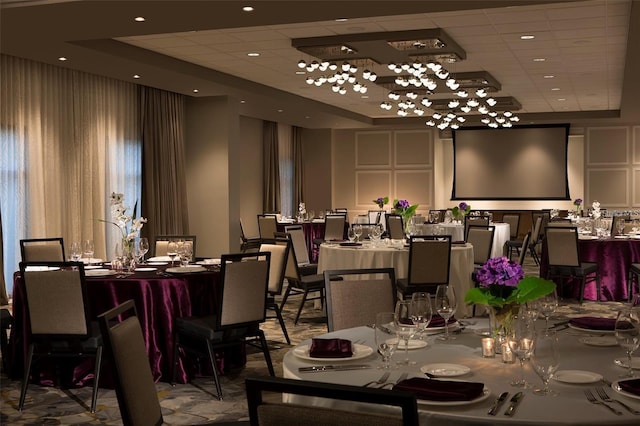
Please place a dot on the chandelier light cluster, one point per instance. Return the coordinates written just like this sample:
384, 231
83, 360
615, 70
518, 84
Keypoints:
339, 77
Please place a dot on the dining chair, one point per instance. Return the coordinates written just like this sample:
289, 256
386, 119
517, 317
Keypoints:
266, 396
395, 226
513, 243
242, 303
6, 322
429, 264
42, 249
279, 257
355, 296
162, 242
564, 259
475, 220
299, 242
523, 250
537, 236
481, 238
377, 216
247, 243
267, 225
614, 223
634, 276
60, 322
334, 225
298, 284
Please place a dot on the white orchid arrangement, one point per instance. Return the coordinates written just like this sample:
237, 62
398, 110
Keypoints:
128, 224
302, 208
595, 210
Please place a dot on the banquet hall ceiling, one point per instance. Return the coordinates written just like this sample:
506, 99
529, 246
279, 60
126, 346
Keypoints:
591, 48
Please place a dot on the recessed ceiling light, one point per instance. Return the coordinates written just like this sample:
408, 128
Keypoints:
342, 20
62, 58
527, 37
539, 59
253, 54
555, 89
280, 110
242, 101
549, 76
364, 97
562, 99
248, 9
136, 76
300, 72
139, 19
307, 116
195, 90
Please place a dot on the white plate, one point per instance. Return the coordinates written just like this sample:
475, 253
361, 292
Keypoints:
616, 387
587, 237
621, 237
41, 268
445, 370
99, 272
452, 326
413, 344
359, 352
160, 259
485, 332
589, 330
185, 269
485, 394
209, 262
576, 376
145, 269
92, 267
623, 362
90, 261
599, 341
157, 263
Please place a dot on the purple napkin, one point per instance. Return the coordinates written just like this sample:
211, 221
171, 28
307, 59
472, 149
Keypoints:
438, 321
632, 386
330, 348
441, 390
594, 323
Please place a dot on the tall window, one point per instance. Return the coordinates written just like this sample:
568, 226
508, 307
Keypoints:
285, 153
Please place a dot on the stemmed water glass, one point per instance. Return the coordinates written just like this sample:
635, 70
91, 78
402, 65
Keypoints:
357, 230
182, 254
547, 305
520, 340
545, 359
172, 251
627, 331
351, 234
386, 337
421, 311
446, 305
405, 328
143, 247
621, 225
88, 250
76, 251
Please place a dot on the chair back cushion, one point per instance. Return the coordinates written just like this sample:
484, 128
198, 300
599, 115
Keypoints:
299, 243
44, 250
481, 238
267, 225
429, 260
334, 227
244, 290
562, 246
279, 256
395, 227
513, 219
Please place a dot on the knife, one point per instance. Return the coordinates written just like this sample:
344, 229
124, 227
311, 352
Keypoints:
320, 368
498, 403
513, 403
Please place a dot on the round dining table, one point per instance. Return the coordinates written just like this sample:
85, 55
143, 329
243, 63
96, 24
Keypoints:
586, 362
334, 256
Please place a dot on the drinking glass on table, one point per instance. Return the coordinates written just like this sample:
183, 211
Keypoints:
143, 247
545, 359
357, 230
520, 341
76, 252
421, 312
386, 337
172, 251
182, 254
351, 234
627, 331
547, 305
621, 225
88, 250
446, 304
405, 328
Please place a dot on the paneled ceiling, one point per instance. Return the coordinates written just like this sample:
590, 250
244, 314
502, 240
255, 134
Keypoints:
582, 65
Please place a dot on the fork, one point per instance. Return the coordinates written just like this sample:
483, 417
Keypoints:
401, 378
380, 381
592, 399
605, 397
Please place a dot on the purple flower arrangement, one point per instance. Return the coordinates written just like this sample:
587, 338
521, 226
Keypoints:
381, 201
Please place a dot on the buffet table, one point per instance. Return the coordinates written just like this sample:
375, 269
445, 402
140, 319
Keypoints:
159, 299
335, 256
570, 407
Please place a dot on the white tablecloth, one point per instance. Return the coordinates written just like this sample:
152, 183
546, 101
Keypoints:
456, 230
333, 256
570, 407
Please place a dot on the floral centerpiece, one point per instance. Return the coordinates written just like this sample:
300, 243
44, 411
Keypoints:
461, 210
404, 209
128, 224
302, 211
578, 203
503, 288
595, 210
381, 201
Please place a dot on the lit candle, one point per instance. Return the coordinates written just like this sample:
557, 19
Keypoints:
488, 347
507, 355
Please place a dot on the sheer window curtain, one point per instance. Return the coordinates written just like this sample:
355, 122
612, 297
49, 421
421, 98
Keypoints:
68, 140
271, 174
285, 150
297, 165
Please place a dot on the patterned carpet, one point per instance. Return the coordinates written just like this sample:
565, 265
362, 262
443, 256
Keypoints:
195, 402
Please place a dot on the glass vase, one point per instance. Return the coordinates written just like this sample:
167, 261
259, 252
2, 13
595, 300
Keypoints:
500, 322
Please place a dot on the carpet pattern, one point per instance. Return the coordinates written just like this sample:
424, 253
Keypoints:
193, 403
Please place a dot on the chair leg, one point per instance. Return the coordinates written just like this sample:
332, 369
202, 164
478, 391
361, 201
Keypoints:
265, 351
286, 296
96, 379
25, 380
281, 321
304, 299
212, 359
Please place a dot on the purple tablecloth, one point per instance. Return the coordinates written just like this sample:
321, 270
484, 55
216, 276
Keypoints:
613, 257
159, 300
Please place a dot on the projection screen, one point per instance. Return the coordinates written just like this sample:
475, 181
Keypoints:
518, 163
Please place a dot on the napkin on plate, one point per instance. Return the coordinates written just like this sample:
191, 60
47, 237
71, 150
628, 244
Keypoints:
438, 321
594, 323
441, 390
631, 386
330, 348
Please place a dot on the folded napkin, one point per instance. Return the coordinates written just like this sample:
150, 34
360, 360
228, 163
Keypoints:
438, 321
632, 386
441, 390
330, 348
594, 323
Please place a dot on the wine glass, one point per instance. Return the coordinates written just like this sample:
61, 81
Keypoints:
76, 251
357, 230
386, 337
351, 234
547, 305
88, 250
545, 360
182, 254
172, 250
143, 247
627, 331
405, 328
621, 225
520, 340
446, 304
117, 257
421, 311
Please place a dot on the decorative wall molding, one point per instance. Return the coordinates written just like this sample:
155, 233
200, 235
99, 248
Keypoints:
373, 149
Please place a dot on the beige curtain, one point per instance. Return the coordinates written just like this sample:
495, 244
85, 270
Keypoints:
4, 300
298, 167
163, 170
271, 175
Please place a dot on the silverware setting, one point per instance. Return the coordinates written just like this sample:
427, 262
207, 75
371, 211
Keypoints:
513, 404
341, 367
606, 398
380, 381
592, 399
498, 402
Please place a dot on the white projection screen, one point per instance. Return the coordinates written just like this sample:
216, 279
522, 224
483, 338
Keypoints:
517, 163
